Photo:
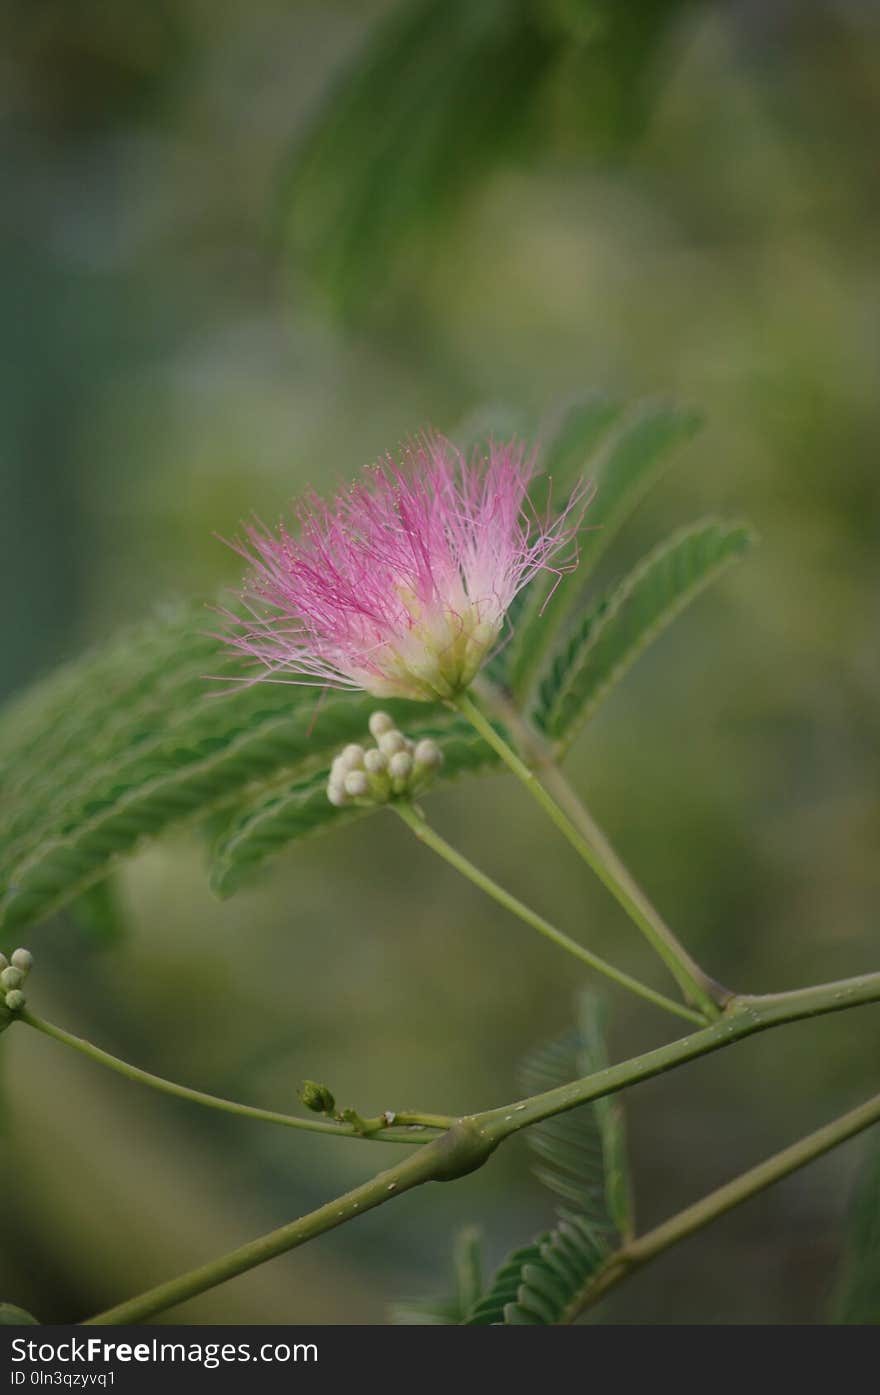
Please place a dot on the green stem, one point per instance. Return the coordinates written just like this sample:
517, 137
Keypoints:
557, 785
374, 1128
639, 1252
550, 790
426, 834
744, 1017
444, 1158
470, 1141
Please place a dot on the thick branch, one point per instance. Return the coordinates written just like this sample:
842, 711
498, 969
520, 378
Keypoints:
743, 1018
469, 1143
452, 1155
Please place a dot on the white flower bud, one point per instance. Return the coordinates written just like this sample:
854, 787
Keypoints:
22, 959
428, 754
11, 978
353, 757
400, 766
380, 722
390, 742
336, 794
356, 784
4, 962
375, 763
15, 1000
400, 769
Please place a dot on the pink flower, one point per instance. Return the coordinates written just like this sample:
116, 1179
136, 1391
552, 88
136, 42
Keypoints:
401, 584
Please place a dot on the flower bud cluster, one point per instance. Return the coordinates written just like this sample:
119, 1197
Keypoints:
393, 768
13, 972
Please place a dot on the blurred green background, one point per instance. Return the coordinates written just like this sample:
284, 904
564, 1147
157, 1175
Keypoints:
247, 247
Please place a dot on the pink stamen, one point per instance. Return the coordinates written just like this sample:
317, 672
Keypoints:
401, 584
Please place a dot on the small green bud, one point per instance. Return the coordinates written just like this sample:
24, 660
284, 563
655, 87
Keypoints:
15, 1000
11, 978
23, 959
390, 742
356, 784
318, 1098
380, 722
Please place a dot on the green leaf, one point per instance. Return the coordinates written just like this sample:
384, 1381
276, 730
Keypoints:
132, 740
262, 825
610, 638
581, 1158
622, 454
581, 1155
857, 1297
467, 1267
425, 1312
443, 94
98, 913
579, 433
11, 1316
539, 1284
422, 114
467, 1273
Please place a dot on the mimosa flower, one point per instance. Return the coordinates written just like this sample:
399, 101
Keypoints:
400, 585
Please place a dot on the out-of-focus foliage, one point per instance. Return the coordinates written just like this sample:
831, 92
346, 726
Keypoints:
445, 91
98, 912
467, 1277
609, 638
10, 1316
159, 386
857, 1300
622, 453
581, 1158
127, 743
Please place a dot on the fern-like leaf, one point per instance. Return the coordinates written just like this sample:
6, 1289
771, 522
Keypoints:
442, 94
11, 1316
581, 1155
264, 823
857, 1297
449, 1311
132, 740
424, 111
97, 912
622, 454
581, 1158
610, 638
